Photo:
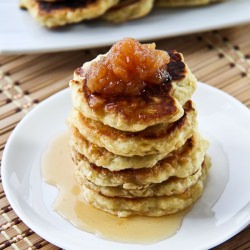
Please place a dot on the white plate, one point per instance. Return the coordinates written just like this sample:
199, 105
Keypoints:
222, 211
19, 33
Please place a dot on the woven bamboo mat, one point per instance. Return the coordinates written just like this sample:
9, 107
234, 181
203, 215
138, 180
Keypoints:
220, 58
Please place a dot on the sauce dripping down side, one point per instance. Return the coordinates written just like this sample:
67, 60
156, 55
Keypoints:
58, 170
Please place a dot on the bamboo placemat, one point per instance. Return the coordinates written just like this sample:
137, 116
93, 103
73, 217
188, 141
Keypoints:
220, 58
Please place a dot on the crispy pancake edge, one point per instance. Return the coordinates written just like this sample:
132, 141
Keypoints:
159, 139
149, 206
182, 163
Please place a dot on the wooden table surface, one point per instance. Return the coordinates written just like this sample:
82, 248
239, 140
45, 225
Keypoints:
220, 58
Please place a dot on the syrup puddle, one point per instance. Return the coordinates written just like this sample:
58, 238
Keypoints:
57, 170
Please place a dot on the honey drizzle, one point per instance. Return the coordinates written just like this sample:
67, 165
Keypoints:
58, 170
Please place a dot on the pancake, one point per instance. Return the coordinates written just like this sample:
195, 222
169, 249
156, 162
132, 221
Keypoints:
135, 113
184, 3
128, 10
149, 206
58, 13
182, 163
170, 187
102, 157
159, 139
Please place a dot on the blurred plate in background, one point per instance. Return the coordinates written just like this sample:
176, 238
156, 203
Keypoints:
20, 33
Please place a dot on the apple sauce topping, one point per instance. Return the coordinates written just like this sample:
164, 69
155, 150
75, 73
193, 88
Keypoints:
134, 80
128, 69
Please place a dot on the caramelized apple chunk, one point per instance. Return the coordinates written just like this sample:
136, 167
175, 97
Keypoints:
128, 69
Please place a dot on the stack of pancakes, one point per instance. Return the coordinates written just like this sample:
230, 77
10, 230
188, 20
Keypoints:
54, 13
139, 154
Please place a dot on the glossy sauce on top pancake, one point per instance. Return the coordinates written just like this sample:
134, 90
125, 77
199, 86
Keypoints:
133, 80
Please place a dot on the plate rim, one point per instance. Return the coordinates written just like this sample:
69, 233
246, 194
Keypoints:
241, 19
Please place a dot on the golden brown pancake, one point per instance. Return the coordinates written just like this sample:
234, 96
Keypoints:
135, 113
54, 13
184, 3
102, 157
149, 206
172, 186
58, 13
181, 163
128, 9
159, 139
